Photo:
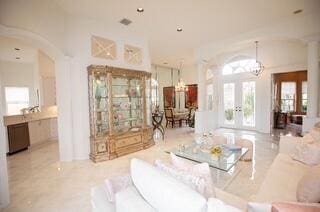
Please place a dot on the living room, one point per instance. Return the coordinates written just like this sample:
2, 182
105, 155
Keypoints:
181, 87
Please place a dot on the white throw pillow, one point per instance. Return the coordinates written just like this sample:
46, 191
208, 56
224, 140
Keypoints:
216, 205
200, 170
259, 207
307, 153
163, 192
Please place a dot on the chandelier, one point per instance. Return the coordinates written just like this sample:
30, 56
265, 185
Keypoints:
181, 86
257, 68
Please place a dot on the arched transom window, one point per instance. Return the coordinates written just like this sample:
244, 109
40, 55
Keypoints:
239, 66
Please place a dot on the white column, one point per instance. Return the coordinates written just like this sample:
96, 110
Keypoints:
201, 87
313, 79
205, 121
64, 95
313, 86
4, 186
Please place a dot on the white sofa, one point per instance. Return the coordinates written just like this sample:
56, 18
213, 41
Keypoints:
155, 187
280, 184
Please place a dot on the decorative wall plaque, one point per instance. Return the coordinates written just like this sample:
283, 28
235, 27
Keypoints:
132, 55
103, 48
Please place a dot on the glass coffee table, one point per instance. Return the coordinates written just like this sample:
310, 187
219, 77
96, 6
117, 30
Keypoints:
224, 162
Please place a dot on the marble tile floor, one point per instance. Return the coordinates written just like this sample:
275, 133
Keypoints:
40, 182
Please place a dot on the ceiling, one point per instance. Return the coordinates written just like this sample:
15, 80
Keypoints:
202, 21
27, 54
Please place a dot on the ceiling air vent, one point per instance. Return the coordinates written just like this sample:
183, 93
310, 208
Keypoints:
125, 21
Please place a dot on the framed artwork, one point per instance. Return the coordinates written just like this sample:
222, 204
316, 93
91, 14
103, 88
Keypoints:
169, 97
191, 96
103, 48
132, 55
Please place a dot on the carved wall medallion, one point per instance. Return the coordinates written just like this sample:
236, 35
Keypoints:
132, 55
103, 48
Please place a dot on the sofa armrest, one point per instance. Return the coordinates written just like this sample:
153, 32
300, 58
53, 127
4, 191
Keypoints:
288, 143
231, 199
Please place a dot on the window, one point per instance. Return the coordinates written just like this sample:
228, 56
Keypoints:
236, 67
16, 99
288, 96
210, 97
304, 99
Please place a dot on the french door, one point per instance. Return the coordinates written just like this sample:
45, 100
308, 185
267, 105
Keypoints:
239, 104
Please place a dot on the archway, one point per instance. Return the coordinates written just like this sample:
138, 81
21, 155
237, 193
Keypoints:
63, 94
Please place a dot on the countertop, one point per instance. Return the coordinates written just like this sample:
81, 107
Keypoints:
45, 113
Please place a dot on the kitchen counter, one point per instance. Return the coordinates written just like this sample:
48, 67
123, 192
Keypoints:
45, 113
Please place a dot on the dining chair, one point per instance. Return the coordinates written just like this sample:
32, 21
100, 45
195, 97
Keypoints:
170, 118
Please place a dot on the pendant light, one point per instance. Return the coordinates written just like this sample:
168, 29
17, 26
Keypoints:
181, 86
257, 68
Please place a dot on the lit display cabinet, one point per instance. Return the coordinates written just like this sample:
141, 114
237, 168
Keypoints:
120, 111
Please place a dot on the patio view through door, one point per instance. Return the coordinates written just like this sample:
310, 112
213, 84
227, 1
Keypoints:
239, 102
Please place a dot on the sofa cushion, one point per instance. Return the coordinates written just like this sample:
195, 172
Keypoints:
129, 199
309, 186
163, 192
281, 181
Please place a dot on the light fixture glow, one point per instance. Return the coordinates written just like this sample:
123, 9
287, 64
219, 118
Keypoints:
140, 10
179, 29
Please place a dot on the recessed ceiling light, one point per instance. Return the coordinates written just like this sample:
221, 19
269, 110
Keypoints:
125, 21
297, 11
140, 9
17, 49
179, 29
18, 58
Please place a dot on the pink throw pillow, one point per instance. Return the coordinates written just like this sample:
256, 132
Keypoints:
292, 207
201, 170
308, 189
116, 184
195, 182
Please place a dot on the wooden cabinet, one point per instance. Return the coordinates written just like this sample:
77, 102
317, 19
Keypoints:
18, 137
120, 111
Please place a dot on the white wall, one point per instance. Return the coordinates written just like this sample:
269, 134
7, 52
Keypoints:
79, 32
17, 75
46, 67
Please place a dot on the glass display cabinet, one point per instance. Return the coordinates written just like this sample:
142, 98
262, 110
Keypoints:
120, 111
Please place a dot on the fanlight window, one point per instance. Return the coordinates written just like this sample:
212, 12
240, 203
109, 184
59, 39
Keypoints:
239, 66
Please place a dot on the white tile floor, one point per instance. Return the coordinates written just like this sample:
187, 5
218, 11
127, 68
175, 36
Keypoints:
39, 182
